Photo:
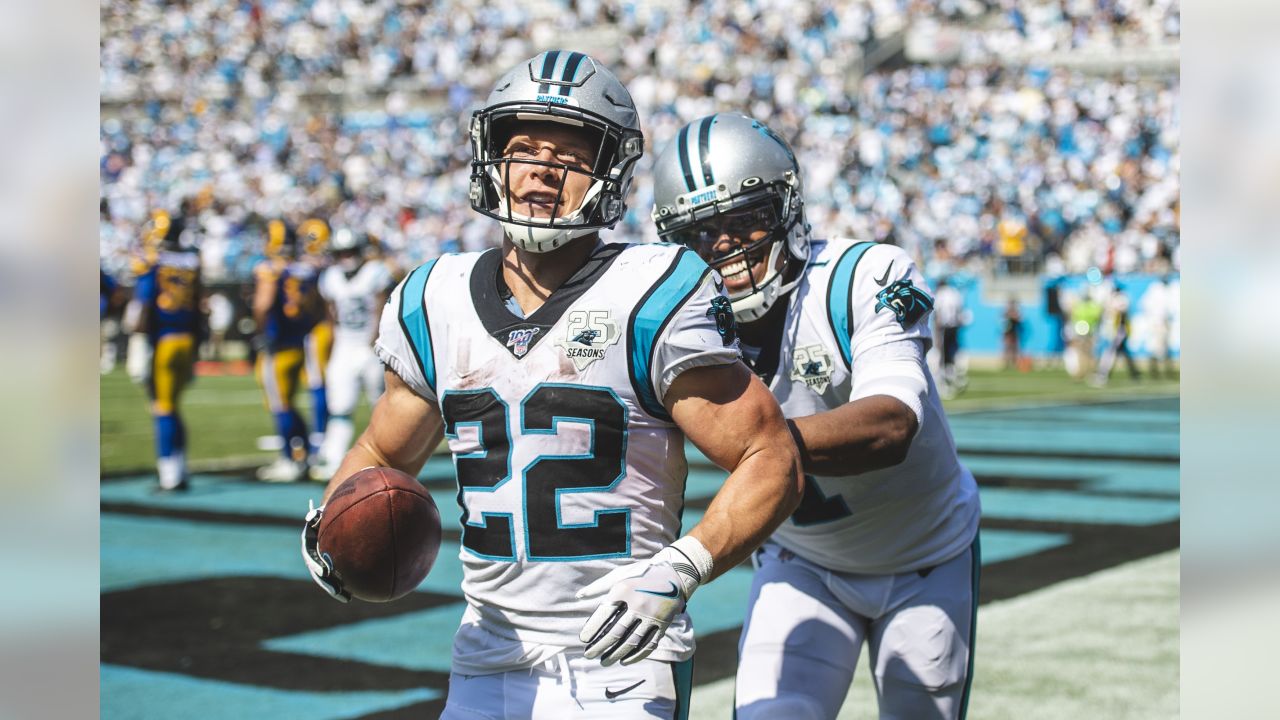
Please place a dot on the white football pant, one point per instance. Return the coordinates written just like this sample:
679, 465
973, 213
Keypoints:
570, 686
806, 626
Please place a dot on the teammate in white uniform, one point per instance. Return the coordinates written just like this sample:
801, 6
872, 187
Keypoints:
566, 375
356, 288
883, 547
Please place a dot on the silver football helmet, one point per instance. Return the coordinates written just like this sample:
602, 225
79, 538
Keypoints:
347, 248
729, 176
562, 87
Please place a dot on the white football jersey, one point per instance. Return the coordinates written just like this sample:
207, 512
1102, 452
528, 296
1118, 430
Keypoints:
355, 299
568, 463
855, 297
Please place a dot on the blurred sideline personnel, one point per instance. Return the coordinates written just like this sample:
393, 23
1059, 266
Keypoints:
286, 308
355, 288
166, 321
883, 547
950, 316
566, 374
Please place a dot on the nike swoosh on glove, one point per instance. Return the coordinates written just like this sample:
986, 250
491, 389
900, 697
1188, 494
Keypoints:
641, 599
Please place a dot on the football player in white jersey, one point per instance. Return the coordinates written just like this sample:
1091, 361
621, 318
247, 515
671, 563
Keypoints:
883, 547
355, 288
566, 374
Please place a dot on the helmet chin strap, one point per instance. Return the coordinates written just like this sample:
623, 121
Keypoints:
535, 239
757, 302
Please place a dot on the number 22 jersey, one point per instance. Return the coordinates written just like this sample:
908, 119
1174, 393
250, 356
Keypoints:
568, 464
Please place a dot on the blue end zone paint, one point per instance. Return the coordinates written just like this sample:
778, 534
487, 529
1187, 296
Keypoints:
987, 434
1096, 476
1137, 418
213, 493
416, 641
1001, 545
129, 693
721, 605
219, 494
1065, 506
141, 551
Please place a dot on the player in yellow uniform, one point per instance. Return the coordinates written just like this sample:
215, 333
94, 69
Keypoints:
286, 307
317, 346
166, 322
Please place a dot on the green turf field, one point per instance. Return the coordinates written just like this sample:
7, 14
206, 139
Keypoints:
225, 415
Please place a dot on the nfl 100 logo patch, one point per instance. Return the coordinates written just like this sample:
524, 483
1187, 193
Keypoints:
589, 333
811, 365
519, 340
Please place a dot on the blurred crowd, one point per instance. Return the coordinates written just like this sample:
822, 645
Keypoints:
246, 108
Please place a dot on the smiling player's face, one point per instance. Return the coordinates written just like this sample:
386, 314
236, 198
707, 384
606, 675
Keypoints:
548, 173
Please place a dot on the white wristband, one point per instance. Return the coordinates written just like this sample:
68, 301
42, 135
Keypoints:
691, 560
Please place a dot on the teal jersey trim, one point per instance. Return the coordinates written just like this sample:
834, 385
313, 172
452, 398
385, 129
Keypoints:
682, 673
840, 299
413, 320
976, 575
652, 315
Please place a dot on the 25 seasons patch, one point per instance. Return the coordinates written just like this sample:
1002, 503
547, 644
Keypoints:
811, 365
589, 334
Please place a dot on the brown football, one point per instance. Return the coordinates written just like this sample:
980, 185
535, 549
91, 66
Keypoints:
381, 530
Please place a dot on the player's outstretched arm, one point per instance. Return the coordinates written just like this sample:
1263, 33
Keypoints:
403, 431
875, 428
736, 422
730, 415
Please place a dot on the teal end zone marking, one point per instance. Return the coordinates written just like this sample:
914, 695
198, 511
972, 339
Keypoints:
142, 551
439, 468
1114, 476
415, 641
1085, 414
214, 493
132, 694
220, 494
1001, 545
722, 603
974, 434
1065, 506
445, 577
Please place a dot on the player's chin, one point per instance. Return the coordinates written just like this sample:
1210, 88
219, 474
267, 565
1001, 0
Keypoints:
538, 211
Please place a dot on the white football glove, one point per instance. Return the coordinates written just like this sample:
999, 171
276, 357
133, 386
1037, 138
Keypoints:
641, 600
138, 357
318, 563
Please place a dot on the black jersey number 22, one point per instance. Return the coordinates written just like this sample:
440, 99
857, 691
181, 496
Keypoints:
547, 478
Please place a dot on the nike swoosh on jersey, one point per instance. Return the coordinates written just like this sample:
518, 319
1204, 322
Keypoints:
611, 694
882, 280
673, 592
